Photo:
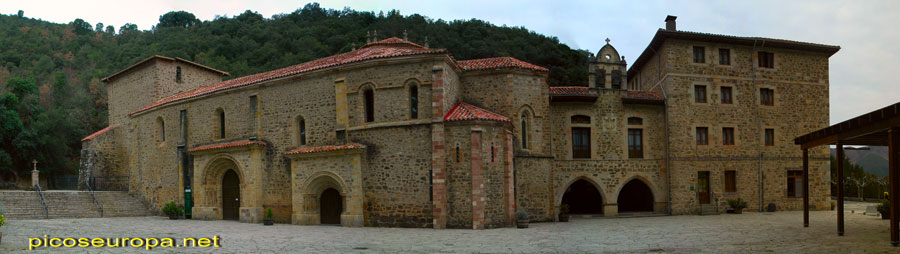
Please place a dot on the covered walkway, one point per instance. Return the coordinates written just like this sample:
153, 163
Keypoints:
877, 128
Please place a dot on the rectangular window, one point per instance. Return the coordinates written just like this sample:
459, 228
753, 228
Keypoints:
767, 96
730, 181
413, 102
581, 142
699, 56
795, 183
700, 94
635, 144
766, 59
702, 136
770, 137
725, 56
728, 136
726, 95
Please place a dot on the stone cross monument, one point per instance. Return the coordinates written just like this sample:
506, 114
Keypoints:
34, 174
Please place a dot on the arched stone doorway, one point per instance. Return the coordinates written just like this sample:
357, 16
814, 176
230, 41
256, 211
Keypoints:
635, 196
231, 196
583, 198
331, 206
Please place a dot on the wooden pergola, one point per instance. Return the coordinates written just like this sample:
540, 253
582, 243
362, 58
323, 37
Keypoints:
877, 128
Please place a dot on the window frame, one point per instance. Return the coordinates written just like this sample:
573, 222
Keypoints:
178, 75
369, 104
220, 114
724, 56
413, 101
730, 181
635, 149
794, 184
766, 96
700, 94
699, 54
728, 136
766, 59
301, 131
769, 136
702, 134
722, 95
581, 150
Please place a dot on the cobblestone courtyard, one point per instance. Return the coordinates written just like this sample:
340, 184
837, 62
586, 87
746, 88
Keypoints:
752, 232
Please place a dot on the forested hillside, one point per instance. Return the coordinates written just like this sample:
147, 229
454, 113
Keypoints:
52, 96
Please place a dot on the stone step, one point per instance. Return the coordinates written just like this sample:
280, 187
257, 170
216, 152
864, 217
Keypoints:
70, 204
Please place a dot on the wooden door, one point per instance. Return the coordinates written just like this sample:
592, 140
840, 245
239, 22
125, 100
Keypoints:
331, 205
703, 186
231, 196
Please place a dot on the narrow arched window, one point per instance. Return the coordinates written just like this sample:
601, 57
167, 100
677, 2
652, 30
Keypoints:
413, 102
492, 152
178, 74
162, 128
301, 131
457, 152
221, 115
369, 101
524, 131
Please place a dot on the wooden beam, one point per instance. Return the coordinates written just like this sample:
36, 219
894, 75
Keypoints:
894, 177
840, 188
805, 188
807, 142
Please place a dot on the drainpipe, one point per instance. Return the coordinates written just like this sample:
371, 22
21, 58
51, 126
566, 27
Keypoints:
758, 124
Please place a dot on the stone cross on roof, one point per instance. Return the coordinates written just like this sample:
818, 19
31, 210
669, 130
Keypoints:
607, 40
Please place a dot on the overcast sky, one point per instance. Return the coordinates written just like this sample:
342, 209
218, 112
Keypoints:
861, 73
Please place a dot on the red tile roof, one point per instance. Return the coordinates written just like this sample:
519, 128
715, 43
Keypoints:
497, 63
570, 90
227, 145
106, 79
317, 149
463, 111
98, 133
391, 47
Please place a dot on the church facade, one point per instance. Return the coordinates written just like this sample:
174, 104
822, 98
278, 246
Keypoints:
398, 134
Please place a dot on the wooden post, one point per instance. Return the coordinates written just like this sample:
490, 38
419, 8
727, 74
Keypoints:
840, 188
894, 178
806, 188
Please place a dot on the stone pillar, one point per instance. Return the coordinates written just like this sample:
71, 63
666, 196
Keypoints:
477, 180
35, 179
438, 170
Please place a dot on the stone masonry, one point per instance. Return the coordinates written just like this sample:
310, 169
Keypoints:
395, 134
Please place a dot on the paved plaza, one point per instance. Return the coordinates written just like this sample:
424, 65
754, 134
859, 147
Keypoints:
751, 232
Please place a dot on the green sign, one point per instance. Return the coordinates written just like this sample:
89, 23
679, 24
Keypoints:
692, 187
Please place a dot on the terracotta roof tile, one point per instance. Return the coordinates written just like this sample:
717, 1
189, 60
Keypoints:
386, 48
463, 111
98, 133
227, 145
317, 149
570, 90
643, 95
497, 63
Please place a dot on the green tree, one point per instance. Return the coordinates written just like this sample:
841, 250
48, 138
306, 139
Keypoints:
81, 27
180, 19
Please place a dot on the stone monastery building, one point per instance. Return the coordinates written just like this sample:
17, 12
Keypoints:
398, 134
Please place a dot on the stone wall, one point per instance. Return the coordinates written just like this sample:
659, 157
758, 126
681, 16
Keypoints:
800, 81
101, 163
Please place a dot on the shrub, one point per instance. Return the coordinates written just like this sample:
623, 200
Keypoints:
171, 209
522, 215
884, 207
2, 220
269, 213
737, 204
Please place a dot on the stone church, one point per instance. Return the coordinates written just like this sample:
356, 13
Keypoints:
399, 134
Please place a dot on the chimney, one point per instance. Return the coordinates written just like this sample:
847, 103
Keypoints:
670, 23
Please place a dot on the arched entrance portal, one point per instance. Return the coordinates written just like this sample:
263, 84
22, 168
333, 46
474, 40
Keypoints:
583, 198
331, 206
231, 196
635, 196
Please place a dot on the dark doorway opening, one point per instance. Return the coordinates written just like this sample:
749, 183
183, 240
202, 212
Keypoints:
583, 198
635, 196
231, 196
331, 206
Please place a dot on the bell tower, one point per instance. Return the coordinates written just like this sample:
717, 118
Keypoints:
607, 69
